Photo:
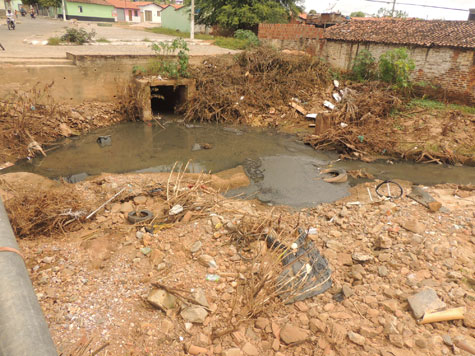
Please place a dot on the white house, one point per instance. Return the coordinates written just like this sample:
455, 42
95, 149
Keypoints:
149, 11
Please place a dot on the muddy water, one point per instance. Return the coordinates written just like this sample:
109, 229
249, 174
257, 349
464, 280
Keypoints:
282, 170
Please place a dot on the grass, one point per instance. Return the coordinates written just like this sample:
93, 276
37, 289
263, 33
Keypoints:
224, 42
437, 105
101, 24
103, 40
147, 40
54, 41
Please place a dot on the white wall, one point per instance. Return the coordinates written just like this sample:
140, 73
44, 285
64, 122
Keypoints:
155, 9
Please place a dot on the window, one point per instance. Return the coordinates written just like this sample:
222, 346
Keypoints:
80, 8
136, 13
158, 15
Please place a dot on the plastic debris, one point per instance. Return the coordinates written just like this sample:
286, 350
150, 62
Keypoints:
306, 272
329, 105
336, 83
337, 97
176, 209
311, 116
213, 277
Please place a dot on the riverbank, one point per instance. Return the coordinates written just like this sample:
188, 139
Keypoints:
93, 277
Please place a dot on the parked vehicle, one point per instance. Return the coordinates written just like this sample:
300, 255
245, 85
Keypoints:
23, 12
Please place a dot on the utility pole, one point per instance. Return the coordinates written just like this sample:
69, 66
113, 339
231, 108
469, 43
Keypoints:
392, 11
192, 29
64, 10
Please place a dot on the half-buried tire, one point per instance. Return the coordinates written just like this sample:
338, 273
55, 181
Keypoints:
338, 175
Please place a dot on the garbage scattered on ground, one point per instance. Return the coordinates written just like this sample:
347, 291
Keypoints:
446, 315
139, 216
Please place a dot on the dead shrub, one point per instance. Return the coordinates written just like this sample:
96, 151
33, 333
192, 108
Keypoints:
46, 211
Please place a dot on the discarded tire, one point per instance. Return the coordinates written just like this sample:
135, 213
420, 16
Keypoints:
339, 175
394, 190
142, 215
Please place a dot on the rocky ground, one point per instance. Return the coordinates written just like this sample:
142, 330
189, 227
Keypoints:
94, 282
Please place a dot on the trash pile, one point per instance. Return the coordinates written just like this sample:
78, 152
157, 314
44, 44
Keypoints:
255, 87
354, 118
29, 119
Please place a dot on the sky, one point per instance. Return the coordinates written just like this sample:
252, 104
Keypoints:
348, 6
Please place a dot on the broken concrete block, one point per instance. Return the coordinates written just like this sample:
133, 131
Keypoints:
425, 301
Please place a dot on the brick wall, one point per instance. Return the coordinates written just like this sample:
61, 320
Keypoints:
452, 69
291, 36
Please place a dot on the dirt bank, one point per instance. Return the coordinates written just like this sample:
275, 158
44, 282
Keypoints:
93, 280
31, 118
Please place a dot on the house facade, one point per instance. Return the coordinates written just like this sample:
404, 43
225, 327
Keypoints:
88, 10
150, 12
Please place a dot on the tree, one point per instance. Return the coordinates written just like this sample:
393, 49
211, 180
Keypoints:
382, 12
312, 12
244, 14
358, 14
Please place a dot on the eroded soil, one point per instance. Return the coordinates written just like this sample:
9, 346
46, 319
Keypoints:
93, 280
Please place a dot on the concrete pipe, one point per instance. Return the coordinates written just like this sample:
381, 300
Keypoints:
23, 329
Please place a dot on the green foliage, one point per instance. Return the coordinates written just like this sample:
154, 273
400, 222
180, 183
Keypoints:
172, 60
54, 41
312, 12
248, 36
382, 12
80, 36
364, 67
50, 3
358, 14
225, 42
395, 67
437, 105
103, 40
244, 14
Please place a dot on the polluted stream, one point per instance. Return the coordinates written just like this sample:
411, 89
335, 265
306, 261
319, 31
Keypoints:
282, 170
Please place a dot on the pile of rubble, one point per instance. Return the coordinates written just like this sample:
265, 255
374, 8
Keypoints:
205, 283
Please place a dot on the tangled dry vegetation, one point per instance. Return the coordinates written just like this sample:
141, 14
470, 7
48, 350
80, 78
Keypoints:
31, 118
43, 208
255, 87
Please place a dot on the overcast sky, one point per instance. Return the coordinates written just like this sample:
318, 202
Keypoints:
348, 6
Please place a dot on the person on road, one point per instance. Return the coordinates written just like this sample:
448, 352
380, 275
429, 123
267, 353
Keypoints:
10, 17
23, 11
32, 13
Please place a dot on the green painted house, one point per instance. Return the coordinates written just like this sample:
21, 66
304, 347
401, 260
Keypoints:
176, 18
89, 10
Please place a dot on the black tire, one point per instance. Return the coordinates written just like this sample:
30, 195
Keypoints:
396, 188
142, 215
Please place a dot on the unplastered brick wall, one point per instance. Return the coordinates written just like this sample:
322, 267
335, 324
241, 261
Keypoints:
291, 36
453, 69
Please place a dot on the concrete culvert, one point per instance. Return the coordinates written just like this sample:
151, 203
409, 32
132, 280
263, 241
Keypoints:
165, 98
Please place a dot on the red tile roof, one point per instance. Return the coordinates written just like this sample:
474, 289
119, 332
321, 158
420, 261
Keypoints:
427, 33
123, 4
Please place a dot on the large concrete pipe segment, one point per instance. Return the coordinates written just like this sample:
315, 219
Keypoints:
23, 329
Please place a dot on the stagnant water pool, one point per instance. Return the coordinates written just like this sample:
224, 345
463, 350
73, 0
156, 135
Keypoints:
282, 170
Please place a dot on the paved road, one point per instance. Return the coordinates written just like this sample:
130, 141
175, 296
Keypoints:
124, 40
